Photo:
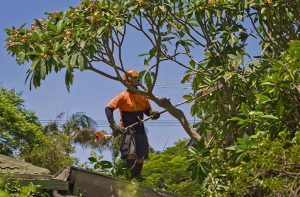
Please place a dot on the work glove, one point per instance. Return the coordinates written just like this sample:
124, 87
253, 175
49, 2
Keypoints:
155, 115
117, 129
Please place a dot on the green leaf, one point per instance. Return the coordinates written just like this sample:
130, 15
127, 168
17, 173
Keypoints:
276, 64
148, 80
106, 164
233, 57
280, 109
294, 43
162, 8
82, 44
97, 166
81, 62
101, 30
192, 64
34, 64
69, 78
187, 97
92, 159
195, 109
143, 54
270, 117
263, 98
141, 74
267, 83
60, 24
244, 108
241, 157
36, 80
198, 15
240, 121
232, 148
17, 44
192, 150
43, 69
21, 57
152, 53
185, 78
73, 60
236, 119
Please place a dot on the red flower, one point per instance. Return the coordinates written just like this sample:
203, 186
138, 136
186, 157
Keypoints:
33, 26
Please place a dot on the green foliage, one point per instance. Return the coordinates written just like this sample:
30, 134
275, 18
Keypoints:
257, 166
22, 134
168, 171
54, 153
73, 39
267, 167
265, 159
208, 39
19, 128
66, 40
14, 188
116, 168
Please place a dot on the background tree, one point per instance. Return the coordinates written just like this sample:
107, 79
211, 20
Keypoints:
21, 134
79, 127
168, 171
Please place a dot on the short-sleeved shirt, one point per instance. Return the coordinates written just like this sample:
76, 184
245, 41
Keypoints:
132, 107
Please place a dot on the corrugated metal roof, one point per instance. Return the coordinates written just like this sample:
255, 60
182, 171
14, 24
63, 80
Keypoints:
12, 166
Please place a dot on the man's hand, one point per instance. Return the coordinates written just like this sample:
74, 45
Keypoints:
116, 129
155, 115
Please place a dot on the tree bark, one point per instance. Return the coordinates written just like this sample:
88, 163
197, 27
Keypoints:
178, 114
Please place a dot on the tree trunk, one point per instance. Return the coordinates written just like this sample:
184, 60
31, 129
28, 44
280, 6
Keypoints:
178, 114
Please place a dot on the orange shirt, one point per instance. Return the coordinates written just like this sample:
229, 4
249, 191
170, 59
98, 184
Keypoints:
128, 101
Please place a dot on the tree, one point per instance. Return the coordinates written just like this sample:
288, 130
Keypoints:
79, 127
94, 32
265, 160
21, 134
20, 128
168, 171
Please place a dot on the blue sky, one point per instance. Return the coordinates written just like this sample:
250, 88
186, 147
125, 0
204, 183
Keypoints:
90, 93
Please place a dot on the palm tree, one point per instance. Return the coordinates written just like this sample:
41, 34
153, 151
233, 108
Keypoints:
80, 127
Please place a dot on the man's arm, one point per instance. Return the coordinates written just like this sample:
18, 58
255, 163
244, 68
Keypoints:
110, 115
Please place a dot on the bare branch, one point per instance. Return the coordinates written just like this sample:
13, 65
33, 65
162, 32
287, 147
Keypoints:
102, 73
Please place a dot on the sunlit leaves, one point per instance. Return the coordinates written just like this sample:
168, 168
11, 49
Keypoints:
65, 39
21, 57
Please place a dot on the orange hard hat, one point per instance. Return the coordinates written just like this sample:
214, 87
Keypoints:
131, 72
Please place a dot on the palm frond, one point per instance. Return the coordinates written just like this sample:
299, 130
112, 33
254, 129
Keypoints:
81, 120
52, 127
86, 138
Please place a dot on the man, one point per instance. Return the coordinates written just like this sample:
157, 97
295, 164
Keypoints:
132, 106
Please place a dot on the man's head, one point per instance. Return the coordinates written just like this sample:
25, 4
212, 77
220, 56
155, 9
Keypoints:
129, 77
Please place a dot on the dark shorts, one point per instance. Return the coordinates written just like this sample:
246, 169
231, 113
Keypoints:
134, 144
